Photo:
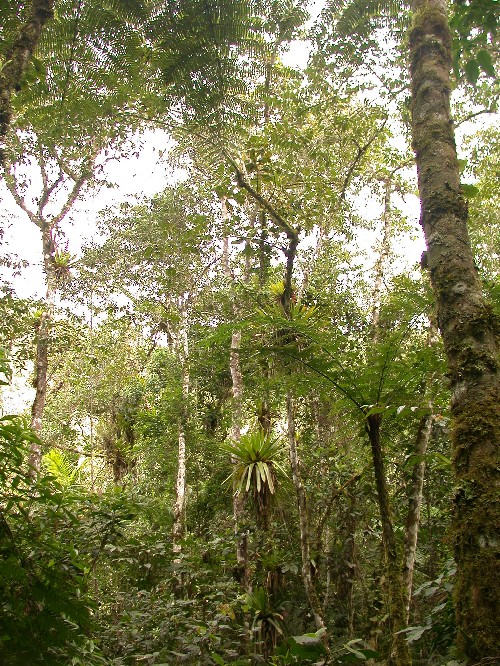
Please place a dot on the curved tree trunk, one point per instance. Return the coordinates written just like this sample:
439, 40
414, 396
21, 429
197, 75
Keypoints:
17, 59
469, 331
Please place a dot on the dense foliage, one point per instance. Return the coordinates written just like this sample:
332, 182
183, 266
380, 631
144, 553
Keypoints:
240, 448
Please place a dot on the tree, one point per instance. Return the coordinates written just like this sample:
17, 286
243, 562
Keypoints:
57, 178
470, 332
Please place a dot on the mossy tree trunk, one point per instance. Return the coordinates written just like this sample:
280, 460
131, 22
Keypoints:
16, 61
470, 335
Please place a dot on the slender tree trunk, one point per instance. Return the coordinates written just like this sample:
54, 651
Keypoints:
42, 349
414, 506
236, 420
238, 497
179, 525
383, 255
470, 336
305, 549
348, 562
400, 655
17, 60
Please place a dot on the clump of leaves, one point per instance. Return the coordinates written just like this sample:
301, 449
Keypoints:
63, 262
256, 458
62, 468
438, 631
267, 618
45, 615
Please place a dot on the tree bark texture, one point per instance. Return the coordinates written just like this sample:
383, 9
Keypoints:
400, 655
414, 506
16, 61
470, 335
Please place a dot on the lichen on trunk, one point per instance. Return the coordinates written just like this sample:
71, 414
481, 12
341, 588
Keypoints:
470, 335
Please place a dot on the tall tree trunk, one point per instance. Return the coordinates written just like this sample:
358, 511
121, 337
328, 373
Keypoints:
347, 573
238, 497
179, 525
305, 549
383, 255
42, 349
236, 421
400, 655
414, 505
16, 61
470, 336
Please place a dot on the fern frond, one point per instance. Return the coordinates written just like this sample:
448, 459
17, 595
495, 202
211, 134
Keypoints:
355, 16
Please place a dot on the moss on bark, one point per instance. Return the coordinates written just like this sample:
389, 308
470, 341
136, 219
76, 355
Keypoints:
17, 59
469, 331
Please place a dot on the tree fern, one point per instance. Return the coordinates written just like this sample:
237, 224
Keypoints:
61, 467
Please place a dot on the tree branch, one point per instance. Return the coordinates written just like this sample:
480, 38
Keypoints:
291, 233
361, 151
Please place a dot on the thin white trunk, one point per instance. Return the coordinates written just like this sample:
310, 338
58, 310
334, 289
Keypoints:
414, 506
179, 526
383, 254
236, 418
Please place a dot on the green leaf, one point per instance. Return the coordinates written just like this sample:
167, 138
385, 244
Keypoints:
469, 191
414, 633
249, 476
472, 71
486, 63
309, 639
218, 659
